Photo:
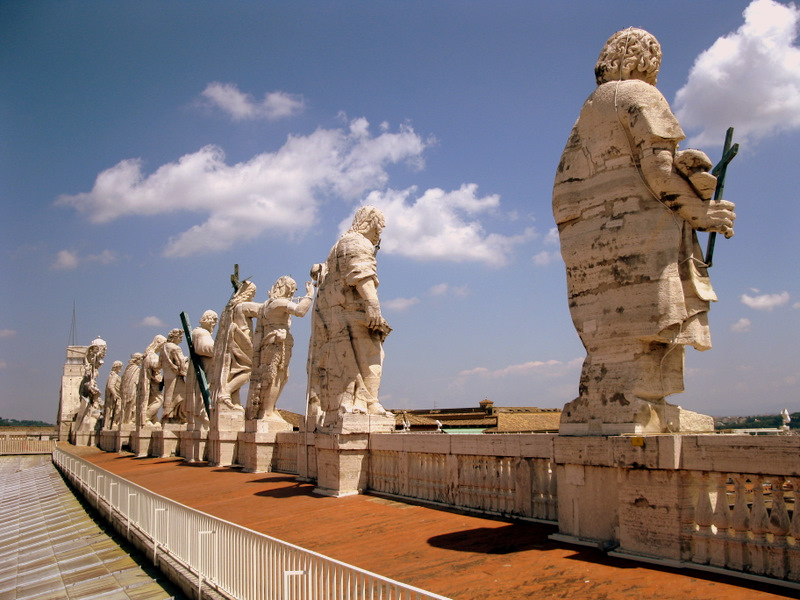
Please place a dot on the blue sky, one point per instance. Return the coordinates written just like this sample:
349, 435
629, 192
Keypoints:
146, 147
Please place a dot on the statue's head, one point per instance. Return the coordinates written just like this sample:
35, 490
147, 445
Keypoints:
285, 287
156, 344
245, 293
175, 336
116, 366
209, 320
97, 349
369, 221
136, 358
629, 54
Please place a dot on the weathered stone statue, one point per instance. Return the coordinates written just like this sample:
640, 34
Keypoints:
203, 342
150, 397
348, 330
129, 388
272, 347
174, 366
113, 400
91, 409
233, 349
628, 204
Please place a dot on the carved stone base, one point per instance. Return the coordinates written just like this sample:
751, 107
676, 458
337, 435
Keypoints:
193, 445
106, 439
226, 425
122, 439
641, 417
140, 440
257, 445
342, 453
84, 438
164, 442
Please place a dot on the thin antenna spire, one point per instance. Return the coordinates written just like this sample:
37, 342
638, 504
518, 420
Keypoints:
72, 327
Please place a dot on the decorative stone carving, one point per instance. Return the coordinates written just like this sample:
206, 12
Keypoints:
91, 399
150, 397
628, 204
272, 348
348, 330
203, 342
233, 349
129, 388
174, 366
113, 400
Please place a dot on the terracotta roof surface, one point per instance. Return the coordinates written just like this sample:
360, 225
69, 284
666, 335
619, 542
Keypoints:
464, 557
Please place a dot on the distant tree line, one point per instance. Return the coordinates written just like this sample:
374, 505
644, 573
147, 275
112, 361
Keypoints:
23, 423
756, 422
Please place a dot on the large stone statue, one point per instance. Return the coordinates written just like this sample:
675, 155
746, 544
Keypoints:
203, 342
174, 366
348, 330
113, 400
628, 204
233, 349
91, 409
129, 388
272, 347
150, 396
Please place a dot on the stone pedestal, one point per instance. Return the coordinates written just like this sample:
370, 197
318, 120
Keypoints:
257, 445
140, 439
648, 418
193, 444
108, 440
342, 453
122, 440
306, 455
223, 438
164, 442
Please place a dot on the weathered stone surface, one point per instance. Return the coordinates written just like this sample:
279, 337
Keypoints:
627, 204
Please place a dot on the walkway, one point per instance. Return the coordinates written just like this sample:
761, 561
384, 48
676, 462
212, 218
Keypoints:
50, 548
456, 555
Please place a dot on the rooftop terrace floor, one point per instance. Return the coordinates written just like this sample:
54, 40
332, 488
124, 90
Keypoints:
461, 556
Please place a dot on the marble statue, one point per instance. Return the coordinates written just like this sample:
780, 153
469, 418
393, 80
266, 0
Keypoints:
272, 347
129, 387
346, 350
233, 348
112, 399
628, 205
150, 397
174, 366
89, 415
203, 342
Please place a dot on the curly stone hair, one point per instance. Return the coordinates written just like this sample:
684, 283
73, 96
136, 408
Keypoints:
365, 216
627, 52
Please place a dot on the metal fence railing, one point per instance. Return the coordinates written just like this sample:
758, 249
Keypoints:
15, 442
236, 561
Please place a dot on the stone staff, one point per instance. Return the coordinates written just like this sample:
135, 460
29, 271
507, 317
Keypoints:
719, 171
199, 371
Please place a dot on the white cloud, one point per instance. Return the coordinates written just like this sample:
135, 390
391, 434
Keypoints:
66, 260
3, 364
277, 192
765, 301
552, 237
440, 225
748, 79
152, 322
7, 333
441, 289
544, 258
796, 305
400, 304
741, 326
550, 367
240, 106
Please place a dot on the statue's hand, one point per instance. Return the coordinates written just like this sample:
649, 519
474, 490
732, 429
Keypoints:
374, 317
713, 215
309, 288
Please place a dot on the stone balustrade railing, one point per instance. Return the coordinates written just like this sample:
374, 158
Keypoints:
12, 442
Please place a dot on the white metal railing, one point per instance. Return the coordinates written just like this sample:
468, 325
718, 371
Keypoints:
237, 561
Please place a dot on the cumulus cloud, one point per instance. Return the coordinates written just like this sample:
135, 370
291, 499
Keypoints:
66, 260
551, 239
152, 322
277, 192
441, 225
442, 289
551, 367
765, 301
741, 326
544, 258
242, 107
7, 333
748, 79
400, 304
